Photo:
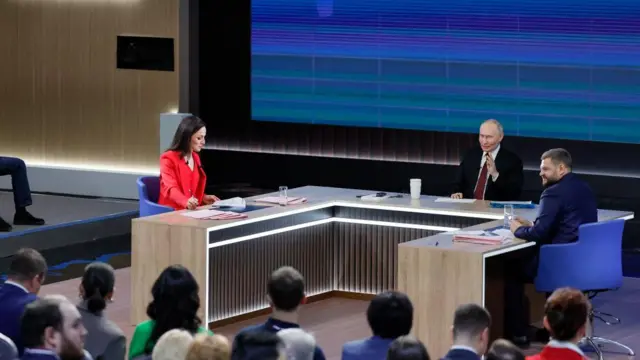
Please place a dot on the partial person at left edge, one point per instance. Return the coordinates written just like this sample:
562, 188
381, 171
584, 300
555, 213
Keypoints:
21, 193
182, 178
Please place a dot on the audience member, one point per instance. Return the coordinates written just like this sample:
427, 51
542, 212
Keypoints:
471, 324
172, 345
105, 340
502, 349
285, 293
298, 344
565, 317
25, 277
174, 306
390, 315
21, 193
407, 348
52, 329
258, 344
205, 347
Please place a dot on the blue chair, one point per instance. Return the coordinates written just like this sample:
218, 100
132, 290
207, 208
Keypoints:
593, 264
148, 192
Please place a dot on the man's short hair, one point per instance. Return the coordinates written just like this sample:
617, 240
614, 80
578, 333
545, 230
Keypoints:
502, 349
566, 311
497, 124
558, 156
286, 288
470, 320
407, 347
26, 264
37, 317
390, 315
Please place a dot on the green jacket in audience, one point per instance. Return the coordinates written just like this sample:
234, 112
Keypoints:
143, 333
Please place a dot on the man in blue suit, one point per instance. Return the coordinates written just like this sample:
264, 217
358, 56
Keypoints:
566, 203
390, 315
471, 325
26, 275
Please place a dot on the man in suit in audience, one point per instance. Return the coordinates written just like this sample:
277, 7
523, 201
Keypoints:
286, 293
21, 193
26, 275
52, 329
489, 171
471, 325
390, 315
566, 203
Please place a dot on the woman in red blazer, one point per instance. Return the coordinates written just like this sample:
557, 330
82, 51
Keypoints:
565, 316
182, 179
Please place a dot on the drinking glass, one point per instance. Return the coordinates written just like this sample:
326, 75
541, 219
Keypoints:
283, 195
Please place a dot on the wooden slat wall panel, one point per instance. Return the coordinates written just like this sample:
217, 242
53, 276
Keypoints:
62, 100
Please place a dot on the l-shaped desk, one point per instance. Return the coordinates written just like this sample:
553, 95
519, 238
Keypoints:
340, 244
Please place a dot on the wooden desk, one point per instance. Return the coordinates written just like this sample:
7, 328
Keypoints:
339, 243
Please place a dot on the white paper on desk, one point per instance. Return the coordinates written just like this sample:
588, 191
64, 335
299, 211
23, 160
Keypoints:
202, 214
452, 200
504, 236
373, 197
236, 202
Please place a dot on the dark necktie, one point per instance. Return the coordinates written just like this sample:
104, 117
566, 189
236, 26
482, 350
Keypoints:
478, 193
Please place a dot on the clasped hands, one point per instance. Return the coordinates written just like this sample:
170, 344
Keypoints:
192, 203
518, 222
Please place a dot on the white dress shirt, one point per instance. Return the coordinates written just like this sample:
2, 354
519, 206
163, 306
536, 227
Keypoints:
493, 155
565, 345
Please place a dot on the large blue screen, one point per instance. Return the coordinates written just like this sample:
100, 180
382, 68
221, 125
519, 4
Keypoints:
566, 69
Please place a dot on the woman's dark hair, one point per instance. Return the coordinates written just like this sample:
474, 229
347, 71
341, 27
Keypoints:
182, 138
174, 305
502, 349
566, 312
98, 281
407, 348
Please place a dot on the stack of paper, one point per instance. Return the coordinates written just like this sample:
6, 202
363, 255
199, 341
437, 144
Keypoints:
455, 201
237, 203
278, 200
209, 214
485, 237
374, 197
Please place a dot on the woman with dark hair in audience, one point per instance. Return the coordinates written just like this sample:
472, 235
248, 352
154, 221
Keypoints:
182, 179
565, 316
105, 340
174, 306
407, 348
502, 349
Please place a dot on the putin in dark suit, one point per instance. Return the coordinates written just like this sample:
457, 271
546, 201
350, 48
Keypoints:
566, 203
489, 171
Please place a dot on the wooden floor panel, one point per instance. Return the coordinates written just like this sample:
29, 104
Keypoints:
337, 320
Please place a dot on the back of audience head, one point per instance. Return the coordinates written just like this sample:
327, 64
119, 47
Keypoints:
286, 289
407, 348
298, 344
471, 323
258, 345
96, 288
172, 345
390, 315
502, 349
28, 268
175, 303
566, 313
205, 347
53, 323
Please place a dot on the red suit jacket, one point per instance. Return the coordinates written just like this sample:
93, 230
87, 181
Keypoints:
176, 180
552, 353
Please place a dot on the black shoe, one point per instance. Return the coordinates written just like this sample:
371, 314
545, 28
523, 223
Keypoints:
5, 226
25, 218
522, 342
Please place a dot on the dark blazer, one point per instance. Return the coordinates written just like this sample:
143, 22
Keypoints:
509, 184
39, 354
274, 325
13, 300
564, 206
105, 340
373, 348
461, 354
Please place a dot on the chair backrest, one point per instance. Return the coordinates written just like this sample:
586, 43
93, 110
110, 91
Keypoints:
8, 350
149, 188
600, 250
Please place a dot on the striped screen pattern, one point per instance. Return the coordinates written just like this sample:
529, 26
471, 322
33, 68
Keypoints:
566, 69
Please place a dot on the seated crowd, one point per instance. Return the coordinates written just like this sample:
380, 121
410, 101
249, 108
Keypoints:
52, 327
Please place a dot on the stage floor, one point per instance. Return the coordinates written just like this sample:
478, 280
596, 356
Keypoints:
336, 321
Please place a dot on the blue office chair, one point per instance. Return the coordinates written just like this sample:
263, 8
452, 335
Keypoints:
593, 264
148, 192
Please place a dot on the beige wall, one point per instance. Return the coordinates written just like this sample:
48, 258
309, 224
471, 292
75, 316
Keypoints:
62, 100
